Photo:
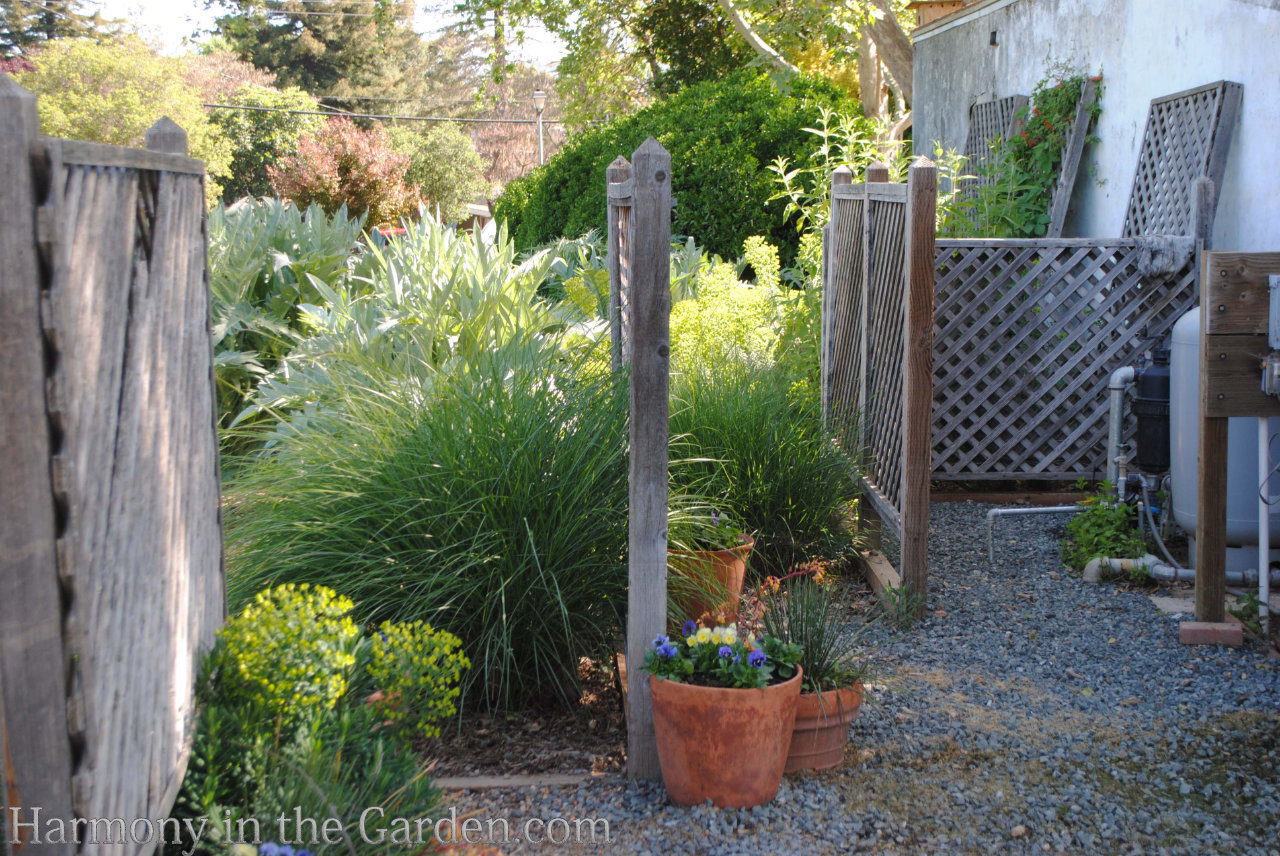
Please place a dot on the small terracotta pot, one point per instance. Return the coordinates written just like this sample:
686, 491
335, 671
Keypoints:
724, 745
729, 567
822, 728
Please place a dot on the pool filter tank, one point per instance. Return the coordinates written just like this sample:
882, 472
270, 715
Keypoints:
1242, 455
1151, 407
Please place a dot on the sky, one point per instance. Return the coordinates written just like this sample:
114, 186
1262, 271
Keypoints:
170, 24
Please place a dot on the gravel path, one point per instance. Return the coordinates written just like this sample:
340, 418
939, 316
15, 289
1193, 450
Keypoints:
1031, 713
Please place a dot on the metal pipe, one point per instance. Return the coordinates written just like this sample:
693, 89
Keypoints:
1158, 570
1005, 512
1121, 379
1264, 523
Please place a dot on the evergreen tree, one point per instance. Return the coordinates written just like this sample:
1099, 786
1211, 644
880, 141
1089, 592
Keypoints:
330, 47
27, 24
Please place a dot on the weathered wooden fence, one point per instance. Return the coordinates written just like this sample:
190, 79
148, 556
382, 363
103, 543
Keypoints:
877, 352
111, 575
1029, 329
1028, 332
640, 311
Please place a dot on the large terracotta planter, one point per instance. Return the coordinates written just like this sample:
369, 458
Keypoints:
822, 728
719, 573
724, 745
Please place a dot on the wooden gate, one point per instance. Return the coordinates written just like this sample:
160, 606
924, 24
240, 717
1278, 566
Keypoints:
111, 578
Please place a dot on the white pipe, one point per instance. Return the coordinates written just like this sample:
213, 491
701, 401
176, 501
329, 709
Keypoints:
1005, 512
1121, 379
1157, 569
1264, 523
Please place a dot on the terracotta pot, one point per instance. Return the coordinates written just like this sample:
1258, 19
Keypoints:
728, 567
723, 745
822, 728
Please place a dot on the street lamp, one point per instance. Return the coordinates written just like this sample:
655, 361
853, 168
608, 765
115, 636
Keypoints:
539, 101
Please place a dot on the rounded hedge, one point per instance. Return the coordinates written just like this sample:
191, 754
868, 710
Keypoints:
721, 135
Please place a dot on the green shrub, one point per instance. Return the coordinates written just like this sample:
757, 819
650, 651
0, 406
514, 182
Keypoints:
264, 259
720, 134
763, 259
1106, 528
726, 319
493, 507
752, 439
263, 754
259, 138
444, 167
417, 669
344, 165
289, 651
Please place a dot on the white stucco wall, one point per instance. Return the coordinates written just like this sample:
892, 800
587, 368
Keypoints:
1144, 49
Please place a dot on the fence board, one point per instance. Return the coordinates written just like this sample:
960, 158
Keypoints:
36, 752
122, 397
621, 190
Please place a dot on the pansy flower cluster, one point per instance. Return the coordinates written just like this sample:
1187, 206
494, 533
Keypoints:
719, 657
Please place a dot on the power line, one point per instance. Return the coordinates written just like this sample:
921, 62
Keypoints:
381, 116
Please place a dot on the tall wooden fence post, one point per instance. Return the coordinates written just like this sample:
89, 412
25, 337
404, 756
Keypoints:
842, 176
650, 250
917, 386
35, 749
620, 189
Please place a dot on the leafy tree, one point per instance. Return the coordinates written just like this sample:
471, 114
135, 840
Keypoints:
721, 135
112, 92
344, 164
217, 73
691, 41
444, 167
261, 137
28, 24
338, 48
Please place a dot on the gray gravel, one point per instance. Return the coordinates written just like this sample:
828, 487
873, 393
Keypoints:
1030, 713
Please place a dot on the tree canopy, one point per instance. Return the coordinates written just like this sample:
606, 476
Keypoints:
112, 92
343, 50
28, 24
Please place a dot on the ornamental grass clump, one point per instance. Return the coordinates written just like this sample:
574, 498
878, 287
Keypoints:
752, 440
720, 657
290, 651
417, 669
494, 508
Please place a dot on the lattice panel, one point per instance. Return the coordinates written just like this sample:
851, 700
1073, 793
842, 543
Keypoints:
988, 121
1027, 334
1187, 136
882, 405
844, 355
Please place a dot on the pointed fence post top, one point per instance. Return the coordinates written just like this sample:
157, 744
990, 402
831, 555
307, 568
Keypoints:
166, 136
842, 175
923, 174
877, 172
17, 101
618, 171
652, 164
